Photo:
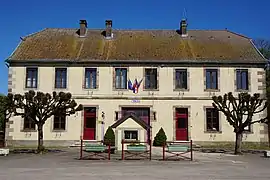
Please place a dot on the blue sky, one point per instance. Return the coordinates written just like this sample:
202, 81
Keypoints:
23, 17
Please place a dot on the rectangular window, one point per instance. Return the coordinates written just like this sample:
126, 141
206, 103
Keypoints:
131, 135
180, 79
211, 79
120, 78
59, 122
151, 78
90, 81
31, 77
242, 79
61, 78
29, 122
212, 119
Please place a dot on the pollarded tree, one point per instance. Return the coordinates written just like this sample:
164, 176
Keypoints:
6, 109
239, 112
43, 106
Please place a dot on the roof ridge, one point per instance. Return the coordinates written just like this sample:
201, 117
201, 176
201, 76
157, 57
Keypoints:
132, 29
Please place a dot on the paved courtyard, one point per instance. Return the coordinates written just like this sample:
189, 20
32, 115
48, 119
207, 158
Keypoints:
64, 166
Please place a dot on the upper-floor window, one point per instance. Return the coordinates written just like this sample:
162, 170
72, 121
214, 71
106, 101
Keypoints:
31, 77
180, 79
90, 81
212, 119
61, 78
29, 121
211, 79
151, 78
242, 79
120, 78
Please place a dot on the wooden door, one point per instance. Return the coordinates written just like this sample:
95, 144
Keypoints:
90, 118
181, 124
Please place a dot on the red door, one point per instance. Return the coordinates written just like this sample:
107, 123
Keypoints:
181, 122
89, 132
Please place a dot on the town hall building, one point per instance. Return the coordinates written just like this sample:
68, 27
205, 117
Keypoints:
156, 78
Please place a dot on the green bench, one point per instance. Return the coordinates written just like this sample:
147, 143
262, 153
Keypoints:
178, 150
136, 151
96, 151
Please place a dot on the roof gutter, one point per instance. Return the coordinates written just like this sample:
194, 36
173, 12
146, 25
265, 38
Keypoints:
95, 61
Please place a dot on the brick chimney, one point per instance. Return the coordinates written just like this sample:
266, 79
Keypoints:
83, 28
108, 30
183, 28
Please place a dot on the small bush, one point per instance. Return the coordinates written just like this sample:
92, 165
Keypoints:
109, 137
160, 138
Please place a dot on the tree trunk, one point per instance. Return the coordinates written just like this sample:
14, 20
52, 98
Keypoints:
238, 143
40, 139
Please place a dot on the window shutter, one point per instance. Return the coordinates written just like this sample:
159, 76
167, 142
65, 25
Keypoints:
114, 79
157, 71
144, 77
188, 80
174, 79
249, 81
97, 78
204, 77
235, 80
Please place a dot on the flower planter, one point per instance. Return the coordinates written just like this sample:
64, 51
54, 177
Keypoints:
136, 148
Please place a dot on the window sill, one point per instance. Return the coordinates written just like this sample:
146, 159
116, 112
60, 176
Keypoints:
150, 89
131, 141
115, 89
60, 88
247, 132
242, 90
215, 132
59, 130
90, 89
30, 88
179, 89
211, 90
28, 130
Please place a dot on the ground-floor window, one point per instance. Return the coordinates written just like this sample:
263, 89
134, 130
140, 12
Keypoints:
212, 119
131, 135
59, 122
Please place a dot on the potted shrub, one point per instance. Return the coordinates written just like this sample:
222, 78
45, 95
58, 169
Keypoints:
160, 138
109, 138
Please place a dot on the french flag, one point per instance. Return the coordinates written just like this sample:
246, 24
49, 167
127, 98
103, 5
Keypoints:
135, 86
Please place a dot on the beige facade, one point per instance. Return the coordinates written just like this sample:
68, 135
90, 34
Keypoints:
162, 102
